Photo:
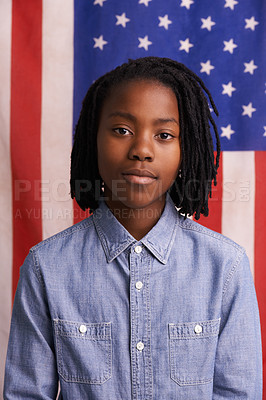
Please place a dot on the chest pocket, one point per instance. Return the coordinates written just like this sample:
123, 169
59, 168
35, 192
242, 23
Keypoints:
84, 351
192, 347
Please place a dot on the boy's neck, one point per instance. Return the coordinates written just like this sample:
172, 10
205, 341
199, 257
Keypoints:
138, 222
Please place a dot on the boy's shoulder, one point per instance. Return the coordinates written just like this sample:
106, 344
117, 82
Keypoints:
78, 229
196, 230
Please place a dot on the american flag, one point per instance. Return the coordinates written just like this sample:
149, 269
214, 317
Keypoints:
51, 51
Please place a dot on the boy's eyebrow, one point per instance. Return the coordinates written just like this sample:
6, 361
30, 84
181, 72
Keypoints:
165, 120
122, 114
133, 118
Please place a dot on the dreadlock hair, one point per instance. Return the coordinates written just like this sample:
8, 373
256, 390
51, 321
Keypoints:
192, 186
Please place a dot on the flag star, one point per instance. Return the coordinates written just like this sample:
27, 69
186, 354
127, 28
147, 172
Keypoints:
100, 2
99, 42
185, 45
264, 131
207, 23
206, 67
251, 23
164, 21
248, 110
186, 3
146, 2
122, 20
227, 132
250, 67
144, 42
229, 46
230, 3
228, 89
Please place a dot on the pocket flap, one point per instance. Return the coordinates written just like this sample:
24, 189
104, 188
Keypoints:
91, 331
190, 330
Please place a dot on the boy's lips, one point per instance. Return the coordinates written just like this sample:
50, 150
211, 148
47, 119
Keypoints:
139, 176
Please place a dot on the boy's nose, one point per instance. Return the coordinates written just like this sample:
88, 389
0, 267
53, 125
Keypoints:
142, 150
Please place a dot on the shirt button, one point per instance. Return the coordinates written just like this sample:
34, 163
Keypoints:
140, 346
139, 285
198, 329
138, 249
83, 329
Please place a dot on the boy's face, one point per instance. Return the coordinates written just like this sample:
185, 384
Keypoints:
138, 144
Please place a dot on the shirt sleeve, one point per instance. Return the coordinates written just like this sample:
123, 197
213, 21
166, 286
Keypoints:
30, 365
238, 365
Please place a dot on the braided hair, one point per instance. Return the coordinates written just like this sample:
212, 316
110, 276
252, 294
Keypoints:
193, 185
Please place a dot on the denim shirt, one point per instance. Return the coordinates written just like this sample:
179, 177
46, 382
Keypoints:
172, 316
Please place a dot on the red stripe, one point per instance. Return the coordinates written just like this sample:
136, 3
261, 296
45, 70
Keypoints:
260, 241
26, 63
214, 219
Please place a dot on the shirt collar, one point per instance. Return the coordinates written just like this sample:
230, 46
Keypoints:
115, 238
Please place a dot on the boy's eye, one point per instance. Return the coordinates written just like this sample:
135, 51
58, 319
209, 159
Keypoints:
165, 136
122, 131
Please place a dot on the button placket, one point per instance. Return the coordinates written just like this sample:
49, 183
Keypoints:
140, 269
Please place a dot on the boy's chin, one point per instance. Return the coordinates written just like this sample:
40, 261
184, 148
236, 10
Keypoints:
137, 203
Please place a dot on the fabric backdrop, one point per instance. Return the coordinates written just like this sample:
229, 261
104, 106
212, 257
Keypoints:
51, 51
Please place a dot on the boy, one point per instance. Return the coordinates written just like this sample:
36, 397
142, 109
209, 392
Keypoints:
138, 302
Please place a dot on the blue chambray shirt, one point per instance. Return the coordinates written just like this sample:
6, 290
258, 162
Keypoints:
172, 316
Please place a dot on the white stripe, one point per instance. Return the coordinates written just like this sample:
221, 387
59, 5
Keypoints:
5, 183
57, 110
239, 199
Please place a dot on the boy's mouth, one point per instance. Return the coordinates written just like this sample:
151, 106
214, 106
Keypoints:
139, 176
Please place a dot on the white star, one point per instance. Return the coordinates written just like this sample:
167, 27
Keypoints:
264, 131
185, 45
144, 42
100, 2
250, 67
229, 46
228, 89
206, 67
186, 3
251, 23
164, 21
99, 42
207, 23
146, 2
230, 3
248, 110
227, 132
122, 20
